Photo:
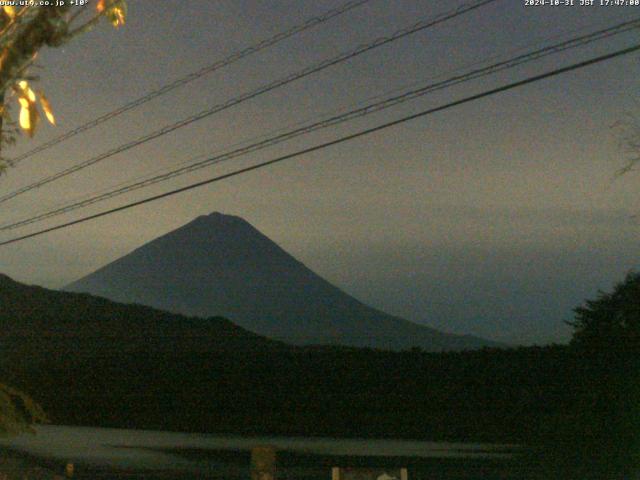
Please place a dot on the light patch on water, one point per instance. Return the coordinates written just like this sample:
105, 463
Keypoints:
142, 448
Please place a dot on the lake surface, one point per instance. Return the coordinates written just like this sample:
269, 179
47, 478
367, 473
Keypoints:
142, 453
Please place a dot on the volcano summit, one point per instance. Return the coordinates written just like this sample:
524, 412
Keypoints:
220, 265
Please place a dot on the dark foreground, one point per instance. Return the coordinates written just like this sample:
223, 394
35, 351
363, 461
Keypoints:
92, 362
580, 411
291, 466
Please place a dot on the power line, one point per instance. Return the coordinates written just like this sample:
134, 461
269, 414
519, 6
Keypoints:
337, 119
270, 133
217, 65
337, 141
419, 26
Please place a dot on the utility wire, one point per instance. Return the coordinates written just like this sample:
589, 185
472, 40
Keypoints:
272, 132
234, 57
337, 119
419, 26
346, 138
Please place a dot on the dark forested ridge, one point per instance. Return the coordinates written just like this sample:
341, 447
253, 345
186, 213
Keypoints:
90, 361
80, 324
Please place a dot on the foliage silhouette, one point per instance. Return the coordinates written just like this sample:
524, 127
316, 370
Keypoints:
24, 31
611, 321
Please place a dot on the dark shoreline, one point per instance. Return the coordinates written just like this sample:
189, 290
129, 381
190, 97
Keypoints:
235, 465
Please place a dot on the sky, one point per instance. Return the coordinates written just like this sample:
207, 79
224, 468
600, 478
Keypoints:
494, 218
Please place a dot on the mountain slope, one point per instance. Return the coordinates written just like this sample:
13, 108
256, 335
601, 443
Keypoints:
47, 322
221, 265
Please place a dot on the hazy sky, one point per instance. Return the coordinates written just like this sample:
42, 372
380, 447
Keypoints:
494, 218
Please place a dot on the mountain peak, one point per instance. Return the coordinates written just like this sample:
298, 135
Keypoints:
220, 217
214, 234
220, 265
218, 220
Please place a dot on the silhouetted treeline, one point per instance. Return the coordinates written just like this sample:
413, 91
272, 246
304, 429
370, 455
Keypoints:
494, 395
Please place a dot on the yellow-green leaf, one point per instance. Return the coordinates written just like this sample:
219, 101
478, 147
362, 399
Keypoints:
117, 13
29, 116
9, 12
26, 90
46, 107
